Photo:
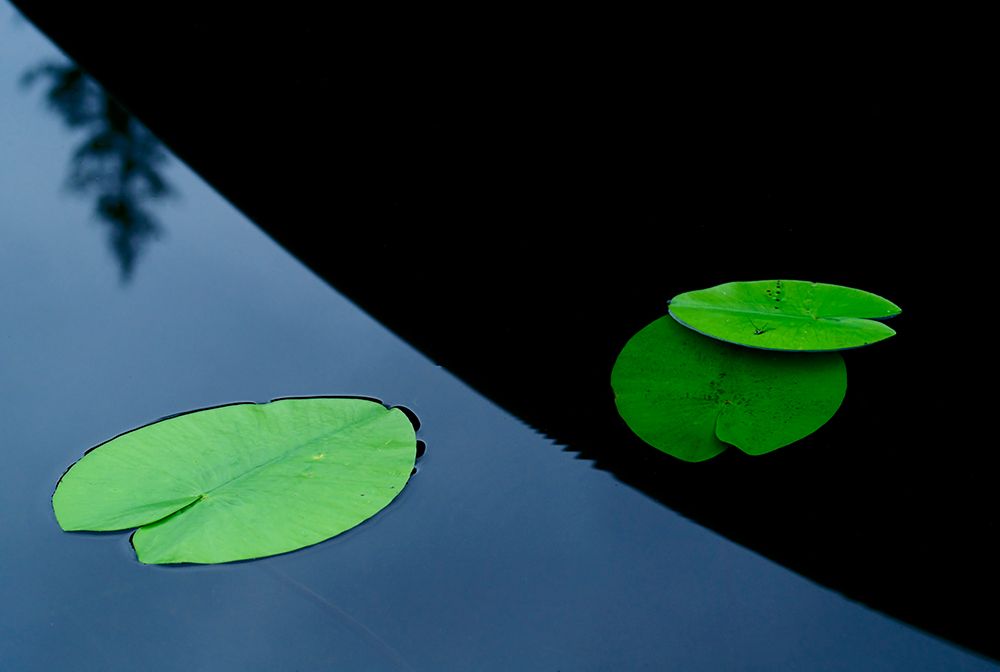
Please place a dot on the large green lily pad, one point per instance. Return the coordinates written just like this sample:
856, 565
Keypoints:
242, 481
691, 396
786, 315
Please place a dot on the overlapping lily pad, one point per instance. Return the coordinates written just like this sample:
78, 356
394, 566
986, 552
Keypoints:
242, 481
786, 315
692, 396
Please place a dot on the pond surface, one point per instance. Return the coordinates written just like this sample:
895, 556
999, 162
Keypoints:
504, 552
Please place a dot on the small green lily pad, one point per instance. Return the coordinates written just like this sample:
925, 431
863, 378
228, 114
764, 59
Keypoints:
691, 396
786, 315
241, 481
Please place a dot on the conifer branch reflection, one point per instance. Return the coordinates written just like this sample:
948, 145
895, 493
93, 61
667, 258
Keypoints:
119, 161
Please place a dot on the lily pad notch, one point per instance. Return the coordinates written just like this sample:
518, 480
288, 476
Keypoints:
242, 481
748, 364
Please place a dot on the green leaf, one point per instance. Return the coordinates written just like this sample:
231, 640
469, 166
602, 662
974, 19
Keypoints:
786, 315
690, 396
242, 481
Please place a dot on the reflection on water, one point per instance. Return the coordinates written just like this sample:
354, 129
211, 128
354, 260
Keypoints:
119, 162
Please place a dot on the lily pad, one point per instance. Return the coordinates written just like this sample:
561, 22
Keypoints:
786, 315
691, 396
241, 481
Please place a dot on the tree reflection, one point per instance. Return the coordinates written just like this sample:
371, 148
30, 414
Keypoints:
118, 162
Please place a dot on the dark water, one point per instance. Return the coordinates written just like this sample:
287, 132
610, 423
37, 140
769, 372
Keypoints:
505, 551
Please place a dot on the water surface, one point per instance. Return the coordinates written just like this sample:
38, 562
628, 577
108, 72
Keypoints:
504, 552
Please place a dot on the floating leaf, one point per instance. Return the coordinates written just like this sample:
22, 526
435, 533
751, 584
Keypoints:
786, 315
689, 395
242, 481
